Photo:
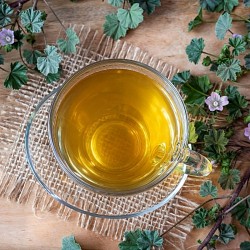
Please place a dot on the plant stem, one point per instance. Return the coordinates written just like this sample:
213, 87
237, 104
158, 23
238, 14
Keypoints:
204, 203
209, 54
17, 3
242, 18
58, 19
235, 205
195, 90
4, 69
235, 194
35, 4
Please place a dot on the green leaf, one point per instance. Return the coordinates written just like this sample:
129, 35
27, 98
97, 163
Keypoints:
242, 212
113, 27
149, 239
18, 39
130, 18
5, 13
50, 78
194, 49
1, 59
195, 89
209, 5
30, 38
31, 56
247, 61
69, 243
50, 62
197, 21
115, 3
213, 212
227, 233
246, 118
201, 129
32, 20
207, 188
196, 109
17, 76
148, 5
237, 102
247, 4
68, 45
207, 61
192, 138
238, 44
223, 24
130, 242
230, 4
216, 139
229, 178
227, 71
181, 77
245, 245
199, 218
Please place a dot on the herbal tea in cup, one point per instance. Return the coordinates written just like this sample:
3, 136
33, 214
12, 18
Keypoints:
120, 127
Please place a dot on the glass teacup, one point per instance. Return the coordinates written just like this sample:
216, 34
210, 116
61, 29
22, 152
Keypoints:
119, 127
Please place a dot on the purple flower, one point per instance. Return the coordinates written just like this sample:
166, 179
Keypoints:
6, 37
247, 131
216, 102
237, 36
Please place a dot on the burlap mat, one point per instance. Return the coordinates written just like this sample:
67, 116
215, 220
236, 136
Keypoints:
17, 181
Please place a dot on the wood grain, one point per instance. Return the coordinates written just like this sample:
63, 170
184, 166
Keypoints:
164, 35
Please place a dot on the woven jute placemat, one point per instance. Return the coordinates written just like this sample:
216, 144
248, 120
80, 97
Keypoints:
16, 179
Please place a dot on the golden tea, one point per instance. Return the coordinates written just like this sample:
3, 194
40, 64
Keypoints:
117, 129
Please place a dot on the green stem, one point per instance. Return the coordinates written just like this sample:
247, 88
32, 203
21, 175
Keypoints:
242, 18
235, 205
196, 90
4, 70
209, 54
204, 203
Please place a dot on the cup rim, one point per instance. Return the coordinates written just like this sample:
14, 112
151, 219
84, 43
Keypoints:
65, 166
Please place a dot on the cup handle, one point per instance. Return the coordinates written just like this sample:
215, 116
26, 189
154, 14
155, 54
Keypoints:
196, 164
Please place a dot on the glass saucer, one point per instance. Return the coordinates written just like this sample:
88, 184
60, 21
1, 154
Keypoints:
54, 180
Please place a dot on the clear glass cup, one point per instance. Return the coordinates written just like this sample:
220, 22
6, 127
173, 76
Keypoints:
120, 128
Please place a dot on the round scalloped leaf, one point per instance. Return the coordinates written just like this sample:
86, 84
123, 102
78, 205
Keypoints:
130, 18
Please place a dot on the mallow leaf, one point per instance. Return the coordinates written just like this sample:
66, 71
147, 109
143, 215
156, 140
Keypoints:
227, 233
239, 46
69, 243
229, 178
130, 241
194, 49
223, 24
181, 77
113, 27
228, 71
68, 45
32, 20
197, 21
148, 5
50, 62
115, 3
5, 12
192, 135
207, 188
17, 76
247, 3
130, 18
247, 61
209, 5
200, 218
245, 245
230, 4
149, 239
31, 56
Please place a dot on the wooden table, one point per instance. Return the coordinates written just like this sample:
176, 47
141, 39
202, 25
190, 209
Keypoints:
164, 35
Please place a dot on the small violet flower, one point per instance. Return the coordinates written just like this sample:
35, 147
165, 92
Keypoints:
6, 37
247, 131
237, 36
216, 102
